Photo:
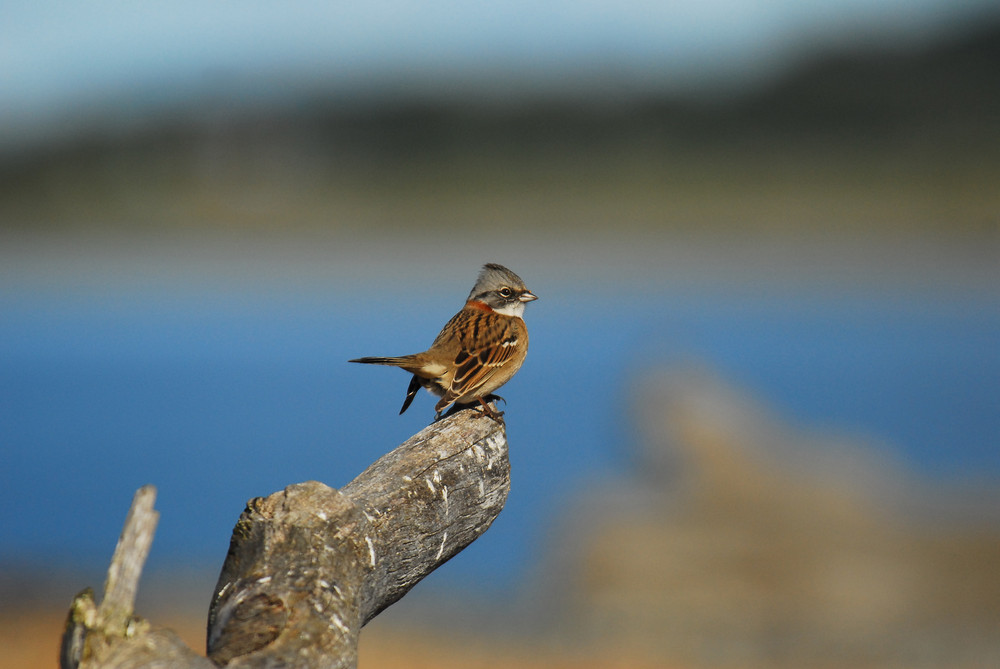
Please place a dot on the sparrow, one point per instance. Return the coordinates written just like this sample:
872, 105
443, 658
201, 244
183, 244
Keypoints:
477, 351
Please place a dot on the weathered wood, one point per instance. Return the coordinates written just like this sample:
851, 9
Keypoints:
110, 635
451, 482
127, 562
308, 566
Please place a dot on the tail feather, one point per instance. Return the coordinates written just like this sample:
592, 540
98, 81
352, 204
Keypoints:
395, 361
411, 392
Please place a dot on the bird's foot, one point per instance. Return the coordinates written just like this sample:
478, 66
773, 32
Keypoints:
493, 398
485, 410
488, 411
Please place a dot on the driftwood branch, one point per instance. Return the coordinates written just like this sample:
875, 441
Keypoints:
110, 635
308, 566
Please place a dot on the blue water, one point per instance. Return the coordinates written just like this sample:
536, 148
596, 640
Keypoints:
217, 398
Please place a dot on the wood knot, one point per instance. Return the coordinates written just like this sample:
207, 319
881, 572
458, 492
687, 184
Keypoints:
254, 623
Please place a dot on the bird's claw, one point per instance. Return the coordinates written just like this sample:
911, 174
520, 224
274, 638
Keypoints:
488, 410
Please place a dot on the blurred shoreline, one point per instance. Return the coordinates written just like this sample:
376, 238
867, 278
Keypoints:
877, 265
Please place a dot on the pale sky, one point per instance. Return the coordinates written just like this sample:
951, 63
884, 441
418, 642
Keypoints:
65, 59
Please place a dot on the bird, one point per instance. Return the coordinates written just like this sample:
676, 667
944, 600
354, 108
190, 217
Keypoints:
477, 351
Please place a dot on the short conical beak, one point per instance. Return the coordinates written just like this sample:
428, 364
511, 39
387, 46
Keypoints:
527, 296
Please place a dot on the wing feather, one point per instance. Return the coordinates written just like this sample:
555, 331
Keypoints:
487, 342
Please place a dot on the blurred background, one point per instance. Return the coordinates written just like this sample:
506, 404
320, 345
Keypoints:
760, 419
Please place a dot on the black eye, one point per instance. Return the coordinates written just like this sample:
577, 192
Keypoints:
506, 292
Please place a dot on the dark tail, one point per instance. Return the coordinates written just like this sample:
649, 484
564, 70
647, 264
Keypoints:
376, 360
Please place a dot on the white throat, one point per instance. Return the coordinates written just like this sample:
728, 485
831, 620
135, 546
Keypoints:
515, 309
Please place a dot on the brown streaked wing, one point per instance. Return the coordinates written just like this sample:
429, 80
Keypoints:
476, 364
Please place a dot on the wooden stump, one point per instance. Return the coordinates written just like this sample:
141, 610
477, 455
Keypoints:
308, 566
